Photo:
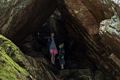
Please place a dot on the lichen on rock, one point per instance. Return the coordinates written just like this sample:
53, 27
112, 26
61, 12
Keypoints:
14, 65
9, 69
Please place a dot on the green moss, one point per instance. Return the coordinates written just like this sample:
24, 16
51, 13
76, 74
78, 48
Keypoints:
14, 65
9, 69
9, 55
13, 51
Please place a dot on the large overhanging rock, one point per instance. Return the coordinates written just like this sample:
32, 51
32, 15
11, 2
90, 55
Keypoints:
96, 8
81, 12
20, 17
81, 24
89, 13
110, 33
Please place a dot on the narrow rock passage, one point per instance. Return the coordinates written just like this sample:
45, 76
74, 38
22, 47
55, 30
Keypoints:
76, 23
77, 64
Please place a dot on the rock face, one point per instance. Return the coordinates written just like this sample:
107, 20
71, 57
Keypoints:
95, 7
19, 18
76, 74
111, 26
111, 37
81, 25
88, 13
79, 10
14, 65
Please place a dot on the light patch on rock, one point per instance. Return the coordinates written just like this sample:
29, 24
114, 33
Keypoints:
117, 2
111, 26
76, 12
115, 59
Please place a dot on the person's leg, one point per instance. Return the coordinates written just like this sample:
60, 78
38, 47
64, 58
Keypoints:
62, 66
52, 56
52, 59
62, 63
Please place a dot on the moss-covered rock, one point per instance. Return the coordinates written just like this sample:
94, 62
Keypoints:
9, 55
14, 65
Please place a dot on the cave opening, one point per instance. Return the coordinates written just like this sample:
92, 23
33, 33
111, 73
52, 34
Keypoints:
36, 45
89, 30
66, 31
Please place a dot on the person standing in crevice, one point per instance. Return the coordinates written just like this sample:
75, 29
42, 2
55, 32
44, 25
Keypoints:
54, 23
61, 55
53, 49
51, 41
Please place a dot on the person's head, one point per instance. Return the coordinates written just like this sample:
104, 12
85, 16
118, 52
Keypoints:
52, 34
61, 45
